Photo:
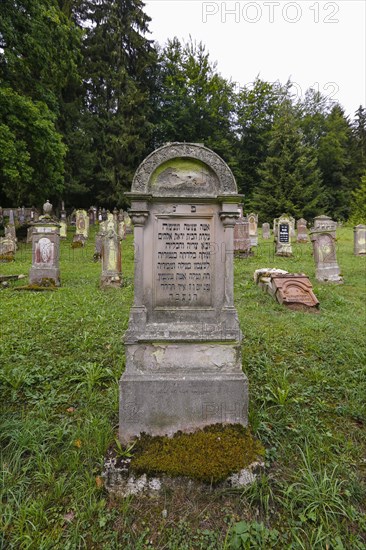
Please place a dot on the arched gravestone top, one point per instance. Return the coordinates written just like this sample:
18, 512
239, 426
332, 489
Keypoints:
183, 169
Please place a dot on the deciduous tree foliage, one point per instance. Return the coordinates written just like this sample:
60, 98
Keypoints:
36, 61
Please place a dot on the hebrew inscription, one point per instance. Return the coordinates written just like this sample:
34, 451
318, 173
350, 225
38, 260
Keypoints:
183, 263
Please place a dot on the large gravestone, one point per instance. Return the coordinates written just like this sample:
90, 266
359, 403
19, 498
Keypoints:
283, 236
359, 233
183, 354
323, 238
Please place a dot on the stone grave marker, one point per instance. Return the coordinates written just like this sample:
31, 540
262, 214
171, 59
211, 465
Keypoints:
325, 222
242, 242
293, 290
7, 249
82, 226
111, 258
302, 234
10, 228
359, 234
323, 238
283, 238
45, 250
266, 231
253, 228
128, 224
121, 225
183, 354
275, 224
292, 227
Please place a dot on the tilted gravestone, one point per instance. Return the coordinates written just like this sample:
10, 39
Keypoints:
302, 234
45, 250
183, 355
283, 237
253, 228
266, 231
359, 233
323, 238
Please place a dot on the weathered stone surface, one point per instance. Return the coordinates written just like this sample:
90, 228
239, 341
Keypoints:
7, 249
294, 289
302, 234
63, 229
45, 253
283, 236
121, 483
291, 289
82, 225
359, 233
266, 231
325, 222
183, 360
324, 251
253, 228
242, 242
111, 258
128, 224
292, 227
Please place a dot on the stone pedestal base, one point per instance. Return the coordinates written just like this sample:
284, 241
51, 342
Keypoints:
162, 404
328, 274
37, 276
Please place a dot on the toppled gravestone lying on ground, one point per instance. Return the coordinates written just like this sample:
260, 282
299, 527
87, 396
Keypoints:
294, 290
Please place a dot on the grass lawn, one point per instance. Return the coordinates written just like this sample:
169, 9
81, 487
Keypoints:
62, 356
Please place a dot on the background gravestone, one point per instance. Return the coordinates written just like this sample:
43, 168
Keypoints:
111, 258
82, 226
45, 250
253, 228
183, 353
283, 237
7, 249
302, 234
323, 238
266, 231
242, 242
292, 227
359, 233
128, 224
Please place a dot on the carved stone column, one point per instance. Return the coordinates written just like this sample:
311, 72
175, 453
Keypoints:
228, 220
138, 310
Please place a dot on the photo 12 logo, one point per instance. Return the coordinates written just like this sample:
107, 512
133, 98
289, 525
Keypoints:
270, 12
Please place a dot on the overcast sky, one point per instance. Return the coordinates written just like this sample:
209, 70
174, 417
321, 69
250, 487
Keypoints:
316, 44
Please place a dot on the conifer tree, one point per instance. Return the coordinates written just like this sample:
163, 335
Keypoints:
118, 63
290, 180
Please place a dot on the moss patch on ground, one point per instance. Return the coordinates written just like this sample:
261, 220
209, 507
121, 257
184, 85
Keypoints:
208, 455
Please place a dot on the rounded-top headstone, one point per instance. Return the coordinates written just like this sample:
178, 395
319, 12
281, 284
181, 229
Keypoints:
184, 169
